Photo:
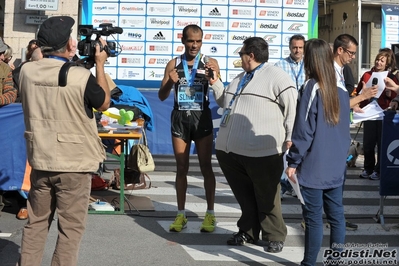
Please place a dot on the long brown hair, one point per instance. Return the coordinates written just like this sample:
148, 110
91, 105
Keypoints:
319, 65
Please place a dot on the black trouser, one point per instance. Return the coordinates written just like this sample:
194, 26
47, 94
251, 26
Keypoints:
372, 136
255, 182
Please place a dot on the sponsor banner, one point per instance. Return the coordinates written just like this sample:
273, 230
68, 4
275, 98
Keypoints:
131, 22
211, 2
125, 73
157, 61
111, 62
239, 37
269, 13
275, 52
187, 10
271, 3
160, 35
214, 37
222, 61
271, 39
132, 47
234, 62
231, 74
294, 27
214, 24
105, 8
132, 35
159, 22
295, 14
268, 26
178, 49
181, 22
390, 25
214, 49
160, 9
131, 60
111, 71
137, 9
97, 20
152, 30
154, 74
233, 49
215, 11
242, 12
242, 2
242, 25
296, 3
158, 48
285, 51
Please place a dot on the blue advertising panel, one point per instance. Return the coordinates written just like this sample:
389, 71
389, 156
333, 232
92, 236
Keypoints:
390, 25
389, 182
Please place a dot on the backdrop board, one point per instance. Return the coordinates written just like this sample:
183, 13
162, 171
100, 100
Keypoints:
152, 31
390, 25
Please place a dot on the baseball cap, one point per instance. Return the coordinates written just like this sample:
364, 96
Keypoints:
55, 32
3, 46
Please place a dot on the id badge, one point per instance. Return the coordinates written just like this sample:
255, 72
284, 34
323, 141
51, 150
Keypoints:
225, 117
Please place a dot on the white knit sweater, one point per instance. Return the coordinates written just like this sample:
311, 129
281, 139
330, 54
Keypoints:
262, 115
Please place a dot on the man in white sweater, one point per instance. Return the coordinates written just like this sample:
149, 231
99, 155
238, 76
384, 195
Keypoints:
259, 111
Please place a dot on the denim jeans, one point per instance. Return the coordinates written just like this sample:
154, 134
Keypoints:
312, 211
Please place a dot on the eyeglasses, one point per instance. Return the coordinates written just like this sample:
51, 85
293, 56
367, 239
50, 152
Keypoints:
349, 52
241, 53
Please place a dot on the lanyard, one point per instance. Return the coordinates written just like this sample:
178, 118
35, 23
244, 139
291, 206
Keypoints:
58, 57
341, 77
297, 75
243, 83
190, 79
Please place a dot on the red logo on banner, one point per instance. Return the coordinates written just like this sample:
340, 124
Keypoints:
152, 47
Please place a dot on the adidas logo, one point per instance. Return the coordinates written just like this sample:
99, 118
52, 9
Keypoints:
159, 36
215, 12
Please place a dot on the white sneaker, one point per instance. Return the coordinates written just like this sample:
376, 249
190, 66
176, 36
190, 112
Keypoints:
374, 176
364, 174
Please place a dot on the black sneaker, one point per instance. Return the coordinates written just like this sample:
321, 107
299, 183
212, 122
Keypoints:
239, 239
350, 226
275, 246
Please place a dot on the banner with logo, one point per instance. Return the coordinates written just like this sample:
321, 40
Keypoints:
152, 31
389, 182
390, 25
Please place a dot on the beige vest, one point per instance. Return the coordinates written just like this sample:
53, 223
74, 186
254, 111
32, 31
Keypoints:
60, 137
4, 70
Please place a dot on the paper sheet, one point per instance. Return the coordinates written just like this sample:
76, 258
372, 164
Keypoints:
381, 84
296, 185
372, 111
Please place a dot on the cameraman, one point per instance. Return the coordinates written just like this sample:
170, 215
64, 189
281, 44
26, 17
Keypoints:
62, 142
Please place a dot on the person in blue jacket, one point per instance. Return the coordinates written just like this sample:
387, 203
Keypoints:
321, 137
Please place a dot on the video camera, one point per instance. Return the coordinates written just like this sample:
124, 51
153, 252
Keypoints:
87, 46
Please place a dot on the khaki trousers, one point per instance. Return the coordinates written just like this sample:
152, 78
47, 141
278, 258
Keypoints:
68, 195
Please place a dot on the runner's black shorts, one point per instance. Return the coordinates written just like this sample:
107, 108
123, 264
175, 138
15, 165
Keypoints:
191, 125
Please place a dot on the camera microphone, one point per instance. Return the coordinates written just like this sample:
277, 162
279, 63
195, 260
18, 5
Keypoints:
373, 83
210, 71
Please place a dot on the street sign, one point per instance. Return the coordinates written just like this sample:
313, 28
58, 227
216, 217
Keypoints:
36, 20
41, 4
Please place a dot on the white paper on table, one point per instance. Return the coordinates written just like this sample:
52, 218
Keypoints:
381, 83
296, 185
372, 111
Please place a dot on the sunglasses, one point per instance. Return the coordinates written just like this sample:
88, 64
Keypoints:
242, 53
